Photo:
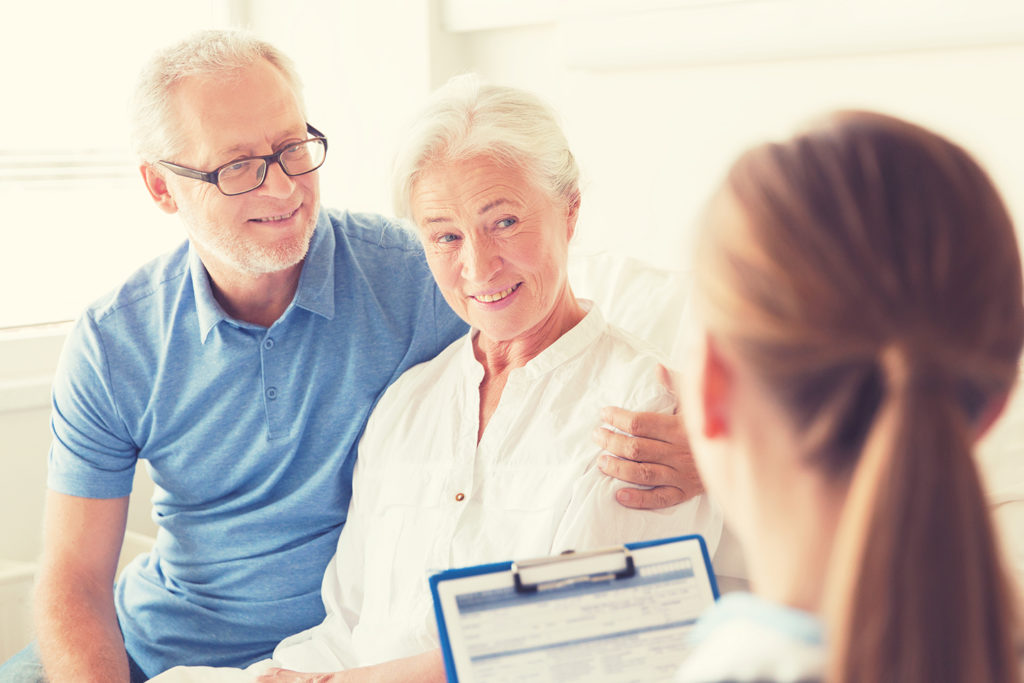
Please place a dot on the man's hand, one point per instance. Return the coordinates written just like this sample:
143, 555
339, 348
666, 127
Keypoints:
657, 455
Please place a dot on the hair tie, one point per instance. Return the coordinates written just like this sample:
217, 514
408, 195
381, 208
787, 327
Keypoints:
895, 366
903, 372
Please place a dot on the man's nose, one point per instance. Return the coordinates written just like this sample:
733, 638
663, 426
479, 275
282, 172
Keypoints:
277, 183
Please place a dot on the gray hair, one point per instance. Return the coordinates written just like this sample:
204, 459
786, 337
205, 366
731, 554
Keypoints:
154, 133
467, 118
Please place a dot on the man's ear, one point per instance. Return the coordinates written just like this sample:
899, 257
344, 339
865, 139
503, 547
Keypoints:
158, 189
716, 389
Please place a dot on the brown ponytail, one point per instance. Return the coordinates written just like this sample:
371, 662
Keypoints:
870, 272
917, 592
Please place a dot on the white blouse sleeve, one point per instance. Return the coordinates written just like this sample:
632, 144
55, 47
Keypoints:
595, 519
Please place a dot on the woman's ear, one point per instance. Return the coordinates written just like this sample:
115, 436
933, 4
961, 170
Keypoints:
716, 391
158, 190
572, 214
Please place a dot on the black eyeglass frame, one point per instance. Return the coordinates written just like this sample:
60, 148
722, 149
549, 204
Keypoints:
212, 176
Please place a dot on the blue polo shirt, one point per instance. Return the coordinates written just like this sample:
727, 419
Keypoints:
249, 432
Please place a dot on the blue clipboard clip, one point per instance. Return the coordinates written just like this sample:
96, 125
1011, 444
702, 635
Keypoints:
627, 571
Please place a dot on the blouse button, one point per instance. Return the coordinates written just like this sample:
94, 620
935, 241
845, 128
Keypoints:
460, 497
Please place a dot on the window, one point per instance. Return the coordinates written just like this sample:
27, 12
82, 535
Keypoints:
77, 218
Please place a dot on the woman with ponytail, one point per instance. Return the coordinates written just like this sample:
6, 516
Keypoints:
859, 296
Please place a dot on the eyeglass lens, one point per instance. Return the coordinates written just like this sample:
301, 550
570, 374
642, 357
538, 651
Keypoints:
248, 174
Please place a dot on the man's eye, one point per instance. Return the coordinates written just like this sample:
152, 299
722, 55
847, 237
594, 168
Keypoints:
506, 222
447, 237
240, 167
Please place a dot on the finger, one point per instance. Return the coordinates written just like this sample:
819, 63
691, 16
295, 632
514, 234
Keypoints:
651, 474
652, 499
634, 447
641, 473
656, 426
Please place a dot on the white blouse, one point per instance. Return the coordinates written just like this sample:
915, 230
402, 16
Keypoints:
427, 497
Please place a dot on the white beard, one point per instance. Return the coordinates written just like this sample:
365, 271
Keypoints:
248, 256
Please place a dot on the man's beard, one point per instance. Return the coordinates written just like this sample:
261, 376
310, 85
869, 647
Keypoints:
252, 257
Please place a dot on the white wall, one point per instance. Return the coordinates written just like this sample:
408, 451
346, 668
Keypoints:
655, 128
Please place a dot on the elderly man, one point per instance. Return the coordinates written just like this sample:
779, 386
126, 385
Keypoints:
242, 367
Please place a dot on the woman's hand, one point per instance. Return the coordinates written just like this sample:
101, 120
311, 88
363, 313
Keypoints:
427, 667
653, 452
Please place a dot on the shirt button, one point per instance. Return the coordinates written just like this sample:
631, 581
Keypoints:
272, 393
268, 344
460, 497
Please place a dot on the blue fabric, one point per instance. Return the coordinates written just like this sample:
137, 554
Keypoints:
795, 624
26, 667
249, 433
743, 637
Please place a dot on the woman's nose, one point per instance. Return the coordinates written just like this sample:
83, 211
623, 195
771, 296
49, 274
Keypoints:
482, 259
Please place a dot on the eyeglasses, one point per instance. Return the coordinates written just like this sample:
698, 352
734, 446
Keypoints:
245, 175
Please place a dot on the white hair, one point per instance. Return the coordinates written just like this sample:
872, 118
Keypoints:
467, 118
155, 133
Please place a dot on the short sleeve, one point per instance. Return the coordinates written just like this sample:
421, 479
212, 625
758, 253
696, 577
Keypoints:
92, 454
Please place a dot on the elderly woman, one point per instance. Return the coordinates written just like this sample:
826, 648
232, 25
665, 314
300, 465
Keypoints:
483, 454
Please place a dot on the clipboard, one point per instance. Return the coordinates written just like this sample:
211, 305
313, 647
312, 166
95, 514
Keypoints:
614, 614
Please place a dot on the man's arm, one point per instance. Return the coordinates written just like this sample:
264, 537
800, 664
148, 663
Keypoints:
77, 629
654, 451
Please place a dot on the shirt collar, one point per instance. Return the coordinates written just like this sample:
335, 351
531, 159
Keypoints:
316, 284
208, 310
315, 292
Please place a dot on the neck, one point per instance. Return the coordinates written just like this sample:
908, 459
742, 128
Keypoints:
789, 544
257, 299
501, 357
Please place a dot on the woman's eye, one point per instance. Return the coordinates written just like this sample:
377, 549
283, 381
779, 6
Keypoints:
506, 222
446, 238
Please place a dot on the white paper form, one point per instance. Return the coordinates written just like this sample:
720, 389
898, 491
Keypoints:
630, 629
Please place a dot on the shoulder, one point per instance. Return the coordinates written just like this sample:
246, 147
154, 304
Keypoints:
420, 381
625, 369
148, 284
371, 232
131, 312
777, 643
380, 254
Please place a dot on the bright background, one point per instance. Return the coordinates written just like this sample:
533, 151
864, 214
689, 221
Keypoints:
657, 96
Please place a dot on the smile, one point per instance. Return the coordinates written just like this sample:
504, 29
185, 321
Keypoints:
497, 296
274, 219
